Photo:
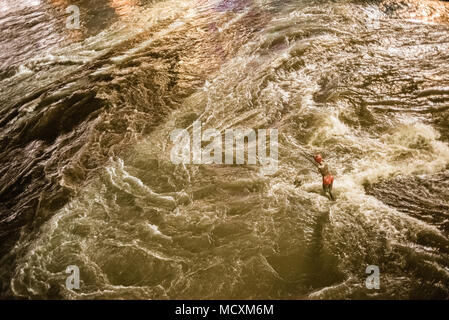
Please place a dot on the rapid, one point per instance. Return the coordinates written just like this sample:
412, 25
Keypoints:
86, 177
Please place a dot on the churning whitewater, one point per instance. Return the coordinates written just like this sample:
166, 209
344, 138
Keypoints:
87, 180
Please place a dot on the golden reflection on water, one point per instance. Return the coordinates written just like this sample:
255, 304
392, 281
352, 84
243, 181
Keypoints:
429, 11
123, 8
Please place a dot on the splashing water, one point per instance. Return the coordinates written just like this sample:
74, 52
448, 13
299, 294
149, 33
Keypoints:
86, 177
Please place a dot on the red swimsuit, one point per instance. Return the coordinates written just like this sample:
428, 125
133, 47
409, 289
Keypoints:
328, 180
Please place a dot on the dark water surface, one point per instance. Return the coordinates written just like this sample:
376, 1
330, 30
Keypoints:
86, 177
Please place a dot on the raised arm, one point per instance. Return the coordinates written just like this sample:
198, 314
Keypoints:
310, 158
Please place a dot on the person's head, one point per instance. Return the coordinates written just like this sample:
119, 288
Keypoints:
318, 158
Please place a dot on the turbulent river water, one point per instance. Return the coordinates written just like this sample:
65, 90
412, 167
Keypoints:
86, 177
